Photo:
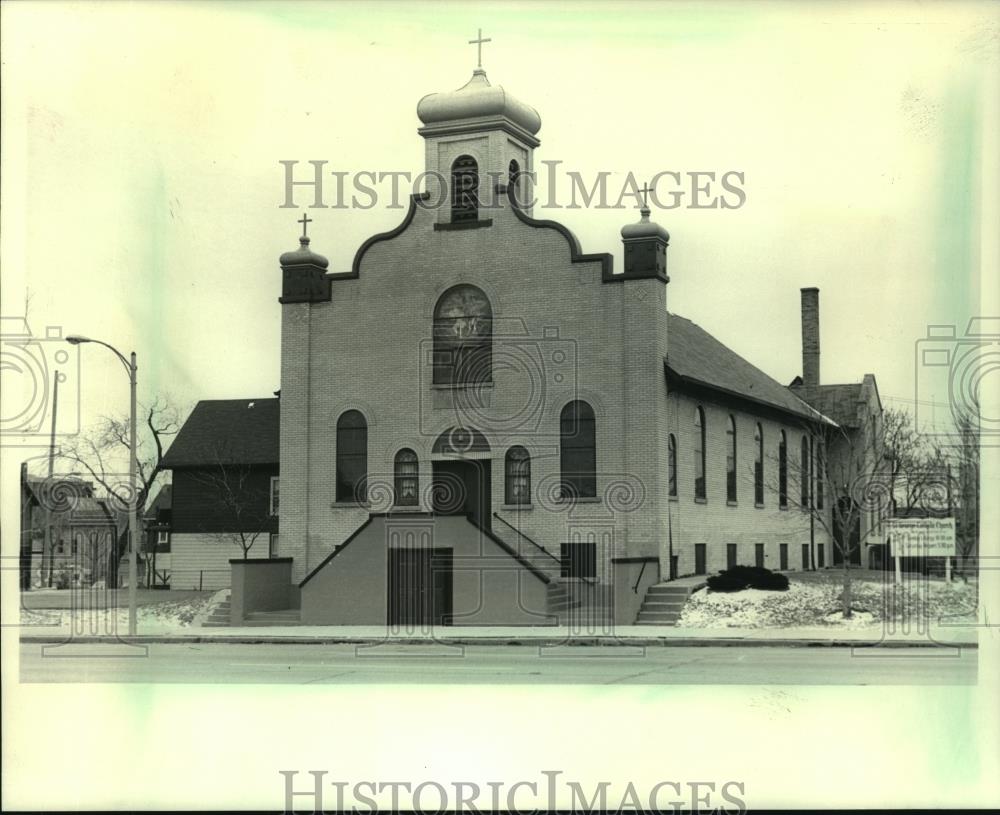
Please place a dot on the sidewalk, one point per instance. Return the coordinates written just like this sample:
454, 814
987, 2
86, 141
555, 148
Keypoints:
646, 635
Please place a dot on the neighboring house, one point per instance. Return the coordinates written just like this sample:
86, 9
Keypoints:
67, 533
223, 494
156, 555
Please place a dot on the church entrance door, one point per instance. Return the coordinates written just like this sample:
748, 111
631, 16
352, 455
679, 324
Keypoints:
420, 586
462, 487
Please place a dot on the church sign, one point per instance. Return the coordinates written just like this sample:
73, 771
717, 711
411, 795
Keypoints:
918, 537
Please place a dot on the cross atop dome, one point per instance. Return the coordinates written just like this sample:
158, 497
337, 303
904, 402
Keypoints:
479, 43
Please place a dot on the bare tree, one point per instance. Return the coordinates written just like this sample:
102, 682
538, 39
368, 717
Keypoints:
242, 501
967, 451
848, 472
103, 454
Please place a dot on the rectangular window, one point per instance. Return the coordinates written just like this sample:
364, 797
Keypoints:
820, 557
783, 557
805, 557
700, 566
579, 560
272, 545
274, 496
730, 555
163, 541
758, 555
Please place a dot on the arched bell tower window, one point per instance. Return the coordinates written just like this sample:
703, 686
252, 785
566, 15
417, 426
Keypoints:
514, 179
464, 189
463, 337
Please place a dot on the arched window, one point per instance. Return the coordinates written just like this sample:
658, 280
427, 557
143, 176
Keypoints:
406, 478
699, 453
514, 179
352, 457
517, 487
731, 459
804, 474
464, 189
578, 451
463, 337
820, 473
783, 470
758, 465
672, 465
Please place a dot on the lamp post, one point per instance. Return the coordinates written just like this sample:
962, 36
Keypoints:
133, 526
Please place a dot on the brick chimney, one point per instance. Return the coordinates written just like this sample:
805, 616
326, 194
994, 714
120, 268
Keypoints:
810, 336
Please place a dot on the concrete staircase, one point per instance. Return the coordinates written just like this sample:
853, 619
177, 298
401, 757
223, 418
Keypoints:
219, 618
663, 604
285, 616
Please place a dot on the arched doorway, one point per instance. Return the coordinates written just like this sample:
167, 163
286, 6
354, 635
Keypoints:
460, 475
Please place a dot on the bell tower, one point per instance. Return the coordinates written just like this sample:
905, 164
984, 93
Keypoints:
475, 138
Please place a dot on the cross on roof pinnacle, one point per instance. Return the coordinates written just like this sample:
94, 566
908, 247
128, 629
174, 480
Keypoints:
644, 192
305, 220
478, 42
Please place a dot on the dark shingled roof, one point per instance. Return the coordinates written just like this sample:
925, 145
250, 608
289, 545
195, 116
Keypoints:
227, 431
839, 402
696, 356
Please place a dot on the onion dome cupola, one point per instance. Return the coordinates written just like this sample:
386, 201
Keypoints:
303, 272
645, 244
476, 137
478, 104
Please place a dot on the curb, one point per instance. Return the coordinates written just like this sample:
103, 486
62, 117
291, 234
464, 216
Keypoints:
598, 641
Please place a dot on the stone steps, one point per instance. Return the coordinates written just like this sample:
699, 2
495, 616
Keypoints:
219, 618
663, 604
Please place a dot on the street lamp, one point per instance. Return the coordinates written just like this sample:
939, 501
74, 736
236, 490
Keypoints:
133, 525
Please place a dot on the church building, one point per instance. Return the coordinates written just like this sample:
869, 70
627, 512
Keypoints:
480, 424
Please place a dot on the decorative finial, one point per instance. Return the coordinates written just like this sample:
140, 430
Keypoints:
305, 220
479, 46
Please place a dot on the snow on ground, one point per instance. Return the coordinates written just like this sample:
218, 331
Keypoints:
817, 603
156, 618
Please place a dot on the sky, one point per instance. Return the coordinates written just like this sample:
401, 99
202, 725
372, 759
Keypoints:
142, 184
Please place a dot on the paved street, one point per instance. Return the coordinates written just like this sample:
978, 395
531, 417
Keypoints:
350, 664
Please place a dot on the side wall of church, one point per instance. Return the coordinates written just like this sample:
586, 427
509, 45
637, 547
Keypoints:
716, 522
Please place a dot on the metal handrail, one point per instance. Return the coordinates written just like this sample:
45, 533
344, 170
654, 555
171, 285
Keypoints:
527, 538
638, 580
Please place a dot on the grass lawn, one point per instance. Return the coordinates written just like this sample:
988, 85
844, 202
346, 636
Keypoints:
814, 599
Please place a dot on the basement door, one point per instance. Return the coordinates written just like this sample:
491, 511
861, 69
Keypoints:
420, 586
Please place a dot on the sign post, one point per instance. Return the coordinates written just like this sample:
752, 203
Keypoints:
922, 537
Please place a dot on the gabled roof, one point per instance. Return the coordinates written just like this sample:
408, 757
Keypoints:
227, 431
161, 503
69, 494
842, 403
695, 356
